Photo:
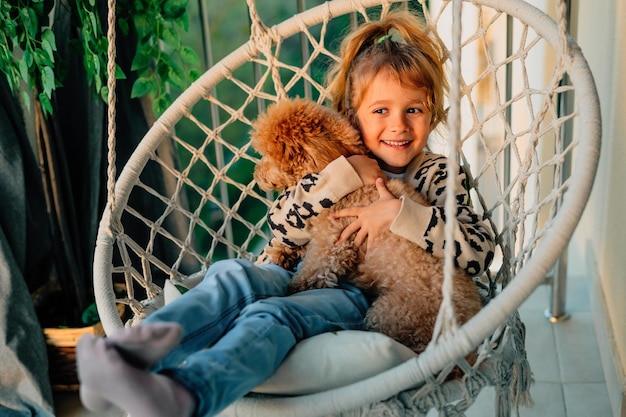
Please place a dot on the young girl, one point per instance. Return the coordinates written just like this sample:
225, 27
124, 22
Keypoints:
224, 337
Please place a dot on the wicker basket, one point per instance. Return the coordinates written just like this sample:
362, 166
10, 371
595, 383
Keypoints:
61, 347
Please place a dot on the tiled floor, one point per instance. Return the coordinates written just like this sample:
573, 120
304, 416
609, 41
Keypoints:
569, 380
564, 357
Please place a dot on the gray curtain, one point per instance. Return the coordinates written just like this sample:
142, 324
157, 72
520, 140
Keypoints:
25, 259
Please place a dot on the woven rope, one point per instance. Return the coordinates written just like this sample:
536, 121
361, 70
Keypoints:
531, 210
111, 101
447, 319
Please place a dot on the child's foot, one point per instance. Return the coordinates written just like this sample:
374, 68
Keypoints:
145, 345
107, 378
141, 347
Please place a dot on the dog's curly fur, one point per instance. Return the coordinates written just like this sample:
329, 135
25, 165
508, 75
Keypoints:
299, 137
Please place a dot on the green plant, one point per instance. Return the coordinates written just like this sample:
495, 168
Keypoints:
92, 45
161, 60
28, 47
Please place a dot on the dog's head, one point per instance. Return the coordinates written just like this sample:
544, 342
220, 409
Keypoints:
298, 137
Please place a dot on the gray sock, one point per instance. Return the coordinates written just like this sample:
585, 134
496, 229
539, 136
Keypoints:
128, 352
145, 345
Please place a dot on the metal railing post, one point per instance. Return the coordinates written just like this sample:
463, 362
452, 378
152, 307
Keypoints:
558, 281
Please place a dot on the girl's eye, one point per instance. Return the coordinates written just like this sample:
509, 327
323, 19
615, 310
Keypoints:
414, 110
380, 111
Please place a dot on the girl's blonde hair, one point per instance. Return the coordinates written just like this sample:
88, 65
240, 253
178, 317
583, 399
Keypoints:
398, 44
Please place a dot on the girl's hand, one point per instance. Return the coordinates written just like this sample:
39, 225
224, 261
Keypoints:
370, 220
366, 167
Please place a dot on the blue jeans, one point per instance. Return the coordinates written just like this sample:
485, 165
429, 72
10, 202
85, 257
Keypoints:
238, 326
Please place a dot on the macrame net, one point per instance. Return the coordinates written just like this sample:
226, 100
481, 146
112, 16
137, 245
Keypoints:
510, 128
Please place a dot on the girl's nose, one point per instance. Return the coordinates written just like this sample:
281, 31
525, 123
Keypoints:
399, 123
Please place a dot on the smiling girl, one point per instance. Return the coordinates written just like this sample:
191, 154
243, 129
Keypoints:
390, 84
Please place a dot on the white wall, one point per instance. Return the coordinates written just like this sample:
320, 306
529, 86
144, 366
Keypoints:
599, 245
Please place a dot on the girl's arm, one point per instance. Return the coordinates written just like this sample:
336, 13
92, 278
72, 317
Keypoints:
473, 238
288, 215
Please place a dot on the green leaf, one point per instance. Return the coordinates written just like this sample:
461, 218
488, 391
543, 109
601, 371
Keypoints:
47, 80
194, 75
98, 83
4, 42
32, 22
48, 36
88, 63
161, 104
46, 105
93, 20
142, 86
47, 49
176, 77
96, 66
119, 73
142, 25
38, 7
183, 21
42, 59
104, 94
181, 289
141, 60
189, 56
23, 67
5, 55
164, 64
28, 58
170, 37
173, 9
139, 6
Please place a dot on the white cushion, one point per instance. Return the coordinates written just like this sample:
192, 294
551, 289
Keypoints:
332, 360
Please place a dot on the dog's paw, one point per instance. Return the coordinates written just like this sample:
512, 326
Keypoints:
295, 287
317, 281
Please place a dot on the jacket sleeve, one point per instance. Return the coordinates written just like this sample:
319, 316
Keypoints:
288, 215
425, 225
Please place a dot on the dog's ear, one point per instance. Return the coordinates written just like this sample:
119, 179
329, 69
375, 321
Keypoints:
270, 177
344, 134
324, 134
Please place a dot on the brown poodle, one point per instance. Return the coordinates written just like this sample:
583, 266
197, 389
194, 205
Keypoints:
299, 137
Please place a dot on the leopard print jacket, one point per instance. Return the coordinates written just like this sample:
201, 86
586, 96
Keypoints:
474, 240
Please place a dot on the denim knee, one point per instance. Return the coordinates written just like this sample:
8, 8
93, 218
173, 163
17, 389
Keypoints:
308, 313
261, 280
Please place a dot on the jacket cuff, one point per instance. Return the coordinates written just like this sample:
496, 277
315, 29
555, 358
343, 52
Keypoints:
343, 177
412, 221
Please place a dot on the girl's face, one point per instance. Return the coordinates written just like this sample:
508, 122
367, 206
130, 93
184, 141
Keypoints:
394, 122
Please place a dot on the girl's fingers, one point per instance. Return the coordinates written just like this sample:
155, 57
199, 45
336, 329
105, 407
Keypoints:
383, 192
348, 231
348, 212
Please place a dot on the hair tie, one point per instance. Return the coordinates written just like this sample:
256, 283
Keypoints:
393, 34
383, 38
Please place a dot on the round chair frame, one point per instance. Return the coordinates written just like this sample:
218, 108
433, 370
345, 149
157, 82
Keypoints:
496, 323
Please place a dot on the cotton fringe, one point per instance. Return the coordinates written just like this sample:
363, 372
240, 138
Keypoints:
521, 374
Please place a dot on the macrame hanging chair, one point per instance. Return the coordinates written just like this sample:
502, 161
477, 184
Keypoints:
509, 126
